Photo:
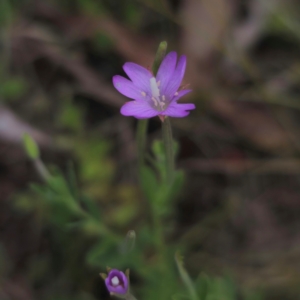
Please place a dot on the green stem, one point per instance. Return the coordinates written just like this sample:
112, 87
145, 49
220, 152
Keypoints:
158, 237
158, 233
186, 278
143, 124
168, 144
141, 141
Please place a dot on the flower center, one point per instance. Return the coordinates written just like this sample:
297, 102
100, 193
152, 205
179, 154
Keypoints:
115, 281
159, 101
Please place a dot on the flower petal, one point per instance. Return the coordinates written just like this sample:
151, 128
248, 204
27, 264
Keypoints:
138, 109
166, 70
178, 110
139, 76
177, 77
120, 290
180, 94
127, 88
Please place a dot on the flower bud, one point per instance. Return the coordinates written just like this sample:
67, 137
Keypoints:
116, 282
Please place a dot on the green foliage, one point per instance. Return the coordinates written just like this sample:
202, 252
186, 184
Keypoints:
30, 146
221, 288
59, 201
209, 288
202, 286
132, 14
157, 190
91, 7
71, 116
185, 277
96, 164
13, 88
102, 42
6, 12
160, 194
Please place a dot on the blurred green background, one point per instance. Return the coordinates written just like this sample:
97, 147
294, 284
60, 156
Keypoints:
236, 218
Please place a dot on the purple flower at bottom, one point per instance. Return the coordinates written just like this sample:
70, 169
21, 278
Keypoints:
116, 282
154, 96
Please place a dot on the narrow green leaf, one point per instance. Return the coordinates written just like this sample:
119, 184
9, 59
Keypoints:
202, 286
30, 146
185, 277
129, 242
149, 183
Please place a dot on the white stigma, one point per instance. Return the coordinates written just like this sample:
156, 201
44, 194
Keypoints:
115, 281
154, 87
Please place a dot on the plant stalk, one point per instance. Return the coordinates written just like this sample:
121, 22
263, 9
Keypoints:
141, 141
168, 144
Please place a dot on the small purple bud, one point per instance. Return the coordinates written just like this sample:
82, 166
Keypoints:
116, 282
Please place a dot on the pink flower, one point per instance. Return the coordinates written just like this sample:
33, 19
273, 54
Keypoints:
154, 96
116, 282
